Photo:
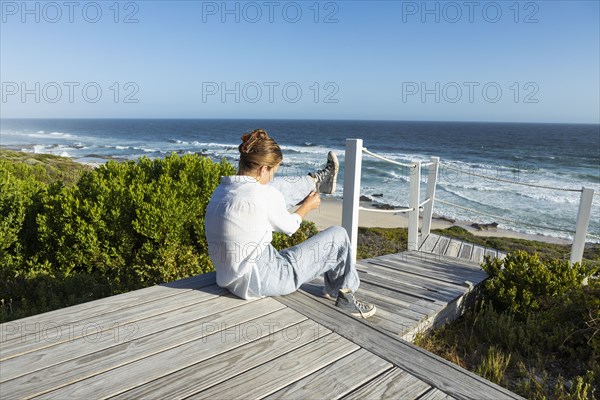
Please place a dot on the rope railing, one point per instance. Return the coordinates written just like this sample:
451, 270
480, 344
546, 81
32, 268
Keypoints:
450, 166
393, 211
354, 151
364, 149
561, 229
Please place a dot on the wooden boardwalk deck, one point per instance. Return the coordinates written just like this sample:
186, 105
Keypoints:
455, 248
192, 339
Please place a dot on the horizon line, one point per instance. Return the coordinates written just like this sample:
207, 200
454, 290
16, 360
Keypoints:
298, 119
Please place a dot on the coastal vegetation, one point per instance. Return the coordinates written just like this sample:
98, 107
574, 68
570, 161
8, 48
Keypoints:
70, 233
534, 329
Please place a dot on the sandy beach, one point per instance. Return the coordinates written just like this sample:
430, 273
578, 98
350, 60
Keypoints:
330, 213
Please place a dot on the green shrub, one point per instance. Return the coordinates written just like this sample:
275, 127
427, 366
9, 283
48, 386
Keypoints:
122, 226
140, 223
119, 227
307, 229
44, 168
373, 242
550, 353
521, 281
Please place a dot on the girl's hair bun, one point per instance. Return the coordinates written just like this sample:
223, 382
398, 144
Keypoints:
250, 139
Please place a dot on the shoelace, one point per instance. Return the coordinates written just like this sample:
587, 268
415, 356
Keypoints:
360, 306
325, 173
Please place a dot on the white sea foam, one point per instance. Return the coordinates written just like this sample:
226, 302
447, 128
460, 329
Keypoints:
39, 148
146, 149
304, 150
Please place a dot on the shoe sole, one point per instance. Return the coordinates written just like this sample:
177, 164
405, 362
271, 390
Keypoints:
365, 315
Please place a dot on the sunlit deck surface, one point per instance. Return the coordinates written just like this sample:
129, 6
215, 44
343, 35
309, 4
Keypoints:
190, 338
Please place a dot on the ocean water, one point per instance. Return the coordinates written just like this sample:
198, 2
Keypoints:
551, 155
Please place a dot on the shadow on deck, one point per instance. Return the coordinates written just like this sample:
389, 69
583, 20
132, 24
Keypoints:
192, 339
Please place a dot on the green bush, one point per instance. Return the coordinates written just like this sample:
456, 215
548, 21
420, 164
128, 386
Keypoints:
281, 241
550, 353
119, 227
140, 223
44, 168
521, 281
122, 226
373, 242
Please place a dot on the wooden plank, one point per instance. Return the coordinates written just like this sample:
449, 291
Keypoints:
98, 307
441, 246
398, 310
446, 278
82, 346
394, 319
209, 371
410, 311
429, 243
429, 284
449, 273
428, 367
394, 384
116, 380
433, 260
391, 317
435, 272
426, 262
386, 318
436, 394
465, 251
414, 306
383, 269
337, 379
280, 372
477, 255
406, 288
492, 253
165, 342
61, 332
430, 260
398, 302
453, 248
450, 312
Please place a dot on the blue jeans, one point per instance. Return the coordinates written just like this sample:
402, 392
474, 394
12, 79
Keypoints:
328, 253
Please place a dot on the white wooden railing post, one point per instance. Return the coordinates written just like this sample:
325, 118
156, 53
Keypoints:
352, 173
432, 178
413, 202
583, 220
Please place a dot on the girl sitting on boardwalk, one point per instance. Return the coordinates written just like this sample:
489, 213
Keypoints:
247, 208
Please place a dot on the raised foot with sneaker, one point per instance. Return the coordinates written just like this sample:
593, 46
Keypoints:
325, 179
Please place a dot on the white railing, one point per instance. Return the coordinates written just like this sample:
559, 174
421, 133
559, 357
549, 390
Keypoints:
351, 207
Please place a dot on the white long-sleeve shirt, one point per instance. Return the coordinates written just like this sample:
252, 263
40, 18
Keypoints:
240, 220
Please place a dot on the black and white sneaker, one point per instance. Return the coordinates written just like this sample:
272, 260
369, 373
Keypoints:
326, 178
356, 308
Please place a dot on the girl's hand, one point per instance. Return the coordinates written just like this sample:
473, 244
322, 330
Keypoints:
312, 201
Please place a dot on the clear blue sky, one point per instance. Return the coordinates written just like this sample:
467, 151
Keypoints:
466, 61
